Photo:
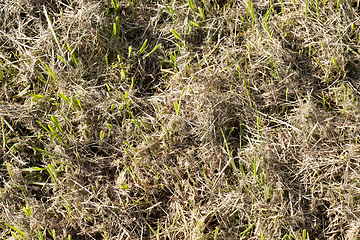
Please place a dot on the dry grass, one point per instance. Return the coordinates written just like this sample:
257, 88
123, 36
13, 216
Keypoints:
242, 124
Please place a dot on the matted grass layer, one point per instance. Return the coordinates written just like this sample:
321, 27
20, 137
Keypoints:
179, 119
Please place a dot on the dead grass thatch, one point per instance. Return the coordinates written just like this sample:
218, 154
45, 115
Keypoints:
179, 119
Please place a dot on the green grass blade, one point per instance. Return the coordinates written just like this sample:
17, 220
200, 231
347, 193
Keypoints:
43, 126
68, 212
156, 47
76, 103
201, 12
176, 34
40, 235
252, 13
37, 97
56, 123
143, 47
15, 229
338, 4
3, 132
65, 98
50, 169
8, 168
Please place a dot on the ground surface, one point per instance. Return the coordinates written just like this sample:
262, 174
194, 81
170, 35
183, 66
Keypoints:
179, 119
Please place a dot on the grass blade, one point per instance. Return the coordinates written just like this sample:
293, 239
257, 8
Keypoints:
65, 98
8, 168
76, 103
252, 14
15, 229
56, 123
55, 38
143, 47
338, 4
176, 34
3, 132
156, 47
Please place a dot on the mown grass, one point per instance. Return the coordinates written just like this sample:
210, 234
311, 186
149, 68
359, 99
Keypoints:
179, 119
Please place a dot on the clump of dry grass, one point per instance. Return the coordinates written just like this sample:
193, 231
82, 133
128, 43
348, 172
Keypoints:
179, 120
